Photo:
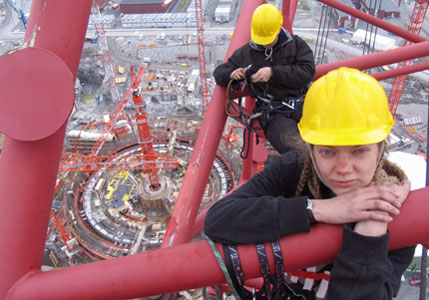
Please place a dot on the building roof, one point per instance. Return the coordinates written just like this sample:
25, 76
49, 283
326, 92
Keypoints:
142, 1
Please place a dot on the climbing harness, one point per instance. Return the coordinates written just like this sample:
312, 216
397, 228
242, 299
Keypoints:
265, 107
222, 267
238, 112
274, 286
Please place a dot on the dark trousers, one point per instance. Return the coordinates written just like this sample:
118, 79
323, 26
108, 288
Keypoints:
282, 132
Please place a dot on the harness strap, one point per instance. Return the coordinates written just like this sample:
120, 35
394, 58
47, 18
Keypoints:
265, 269
278, 260
222, 267
241, 291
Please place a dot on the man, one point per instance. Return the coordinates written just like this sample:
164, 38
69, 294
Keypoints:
278, 67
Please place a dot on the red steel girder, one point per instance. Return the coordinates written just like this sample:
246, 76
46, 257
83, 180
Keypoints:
415, 26
374, 21
40, 82
193, 265
179, 229
72, 162
201, 55
378, 59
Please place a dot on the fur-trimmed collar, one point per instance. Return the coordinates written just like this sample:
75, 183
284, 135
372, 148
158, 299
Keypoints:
389, 172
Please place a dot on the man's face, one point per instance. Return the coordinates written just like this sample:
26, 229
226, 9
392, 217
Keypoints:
344, 168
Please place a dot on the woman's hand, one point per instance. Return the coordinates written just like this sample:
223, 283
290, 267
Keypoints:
377, 228
374, 202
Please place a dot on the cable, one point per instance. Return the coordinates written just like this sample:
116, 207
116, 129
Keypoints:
223, 267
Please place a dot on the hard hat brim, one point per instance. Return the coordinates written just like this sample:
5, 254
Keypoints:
260, 40
345, 137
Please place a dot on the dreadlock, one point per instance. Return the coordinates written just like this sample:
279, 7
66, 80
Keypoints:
309, 177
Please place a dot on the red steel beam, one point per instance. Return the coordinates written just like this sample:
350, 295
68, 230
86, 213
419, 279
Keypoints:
191, 192
412, 37
289, 11
419, 67
193, 265
36, 100
377, 59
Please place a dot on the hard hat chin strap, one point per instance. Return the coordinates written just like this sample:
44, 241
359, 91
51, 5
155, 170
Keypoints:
313, 160
310, 148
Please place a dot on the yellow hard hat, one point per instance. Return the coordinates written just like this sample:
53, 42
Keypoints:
345, 107
267, 21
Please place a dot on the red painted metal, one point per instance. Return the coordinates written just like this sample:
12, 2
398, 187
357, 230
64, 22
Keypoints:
28, 171
29, 166
30, 112
377, 59
154, 161
187, 204
109, 64
375, 21
201, 55
193, 265
416, 23
405, 70
288, 11
72, 162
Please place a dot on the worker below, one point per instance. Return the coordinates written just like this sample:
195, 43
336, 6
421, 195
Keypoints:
342, 177
278, 67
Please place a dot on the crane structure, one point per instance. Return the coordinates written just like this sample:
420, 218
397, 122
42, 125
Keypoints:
201, 56
70, 244
145, 139
65, 236
149, 161
415, 26
30, 158
107, 58
118, 114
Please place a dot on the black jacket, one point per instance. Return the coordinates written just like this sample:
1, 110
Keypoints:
292, 65
265, 209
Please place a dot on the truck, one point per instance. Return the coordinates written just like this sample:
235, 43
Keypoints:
381, 43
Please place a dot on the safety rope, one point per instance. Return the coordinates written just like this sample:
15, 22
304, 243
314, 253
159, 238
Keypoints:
272, 285
222, 267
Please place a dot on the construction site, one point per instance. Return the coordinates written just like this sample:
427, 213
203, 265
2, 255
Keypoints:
112, 202
143, 91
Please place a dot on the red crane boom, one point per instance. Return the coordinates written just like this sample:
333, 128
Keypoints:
415, 26
201, 56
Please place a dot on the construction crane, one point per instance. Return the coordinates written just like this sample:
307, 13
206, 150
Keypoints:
144, 137
416, 23
20, 13
201, 56
107, 59
149, 161
70, 244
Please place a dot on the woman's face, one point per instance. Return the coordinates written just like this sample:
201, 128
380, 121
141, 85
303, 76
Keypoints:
344, 168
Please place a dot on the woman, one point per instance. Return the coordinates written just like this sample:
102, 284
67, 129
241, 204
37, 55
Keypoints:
342, 178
